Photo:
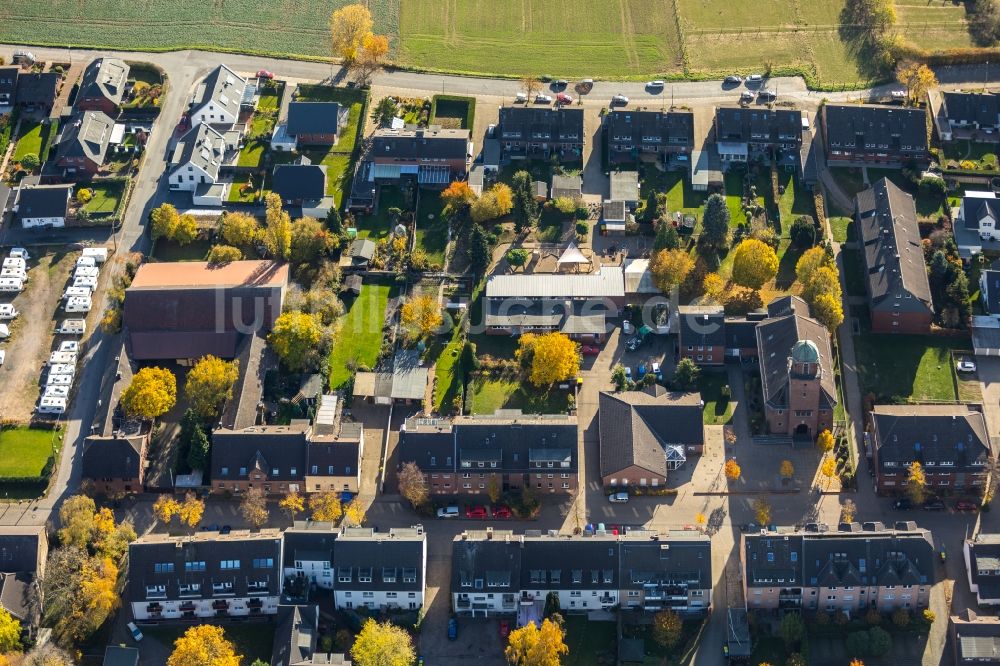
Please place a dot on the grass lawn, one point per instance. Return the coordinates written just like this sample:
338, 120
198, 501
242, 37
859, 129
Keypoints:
24, 452
167, 250
30, 141
359, 337
921, 366
550, 226
842, 228
253, 640
486, 395
270, 98
380, 224
239, 180
589, 641
718, 409
338, 171
453, 112
107, 196
446, 375
431, 227
796, 200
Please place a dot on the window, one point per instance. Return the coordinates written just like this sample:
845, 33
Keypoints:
225, 471
232, 564
293, 471
275, 471
409, 575
344, 575
194, 566
263, 563
315, 469
243, 471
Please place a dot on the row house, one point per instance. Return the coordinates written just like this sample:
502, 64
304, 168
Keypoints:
868, 134
500, 573
899, 293
951, 442
743, 134
361, 566
465, 455
526, 132
701, 334
283, 459
432, 156
968, 115
851, 570
975, 639
982, 565
648, 135
206, 575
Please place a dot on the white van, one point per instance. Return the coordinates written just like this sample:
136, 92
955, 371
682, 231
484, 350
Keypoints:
72, 327
85, 262
79, 304
56, 392
448, 512
59, 380
14, 262
86, 272
8, 311
98, 254
9, 284
64, 369
59, 357
52, 405
72, 292
88, 283
4, 331
19, 253
14, 273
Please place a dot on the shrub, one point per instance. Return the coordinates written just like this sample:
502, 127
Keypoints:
582, 228
30, 161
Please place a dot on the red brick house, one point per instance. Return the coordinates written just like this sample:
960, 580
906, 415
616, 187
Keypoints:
102, 86
83, 144
315, 123
702, 333
434, 157
115, 465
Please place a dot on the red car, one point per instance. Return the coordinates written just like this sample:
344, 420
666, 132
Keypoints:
589, 350
966, 505
264, 74
476, 512
501, 511
563, 98
504, 628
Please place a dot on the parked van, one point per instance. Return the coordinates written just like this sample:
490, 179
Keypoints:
72, 327
79, 304
98, 254
14, 262
64, 369
86, 271
59, 380
85, 261
9, 284
72, 292
448, 512
56, 392
19, 253
57, 357
89, 283
52, 405
7, 311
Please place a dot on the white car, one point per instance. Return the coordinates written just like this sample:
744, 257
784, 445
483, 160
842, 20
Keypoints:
4, 331
755, 78
619, 100
733, 78
617, 498
7, 311
520, 98
19, 253
62, 358
966, 366
448, 512
136, 634
655, 84
71, 346
897, 94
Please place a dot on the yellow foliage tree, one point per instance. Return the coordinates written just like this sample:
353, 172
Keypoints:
371, 57
668, 628
76, 515
732, 469
828, 469
152, 392
918, 79
550, 358
240, 229
714, 287
191, 510
293, 504
165, 508
762, 511
824, 280
349, 27
669, 268
754, 263
536, 646
209, 383
163, 221
204, 645
828, 310
810, 261
787, 469
457, 195
916, 483
295, 338
825, 441
186, 229
381, 644
253, 506
98, 580
277, 236
325, 507
421, 316
10, 633
354, 512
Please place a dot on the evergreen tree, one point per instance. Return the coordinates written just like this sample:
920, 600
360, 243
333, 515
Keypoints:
667, 237
715, 223
193, 436
479, 250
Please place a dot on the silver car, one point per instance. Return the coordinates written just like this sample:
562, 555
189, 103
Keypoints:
619, 100
618, 498
543, 99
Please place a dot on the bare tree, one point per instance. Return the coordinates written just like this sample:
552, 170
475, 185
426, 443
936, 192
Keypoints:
413, 485
531, 86
254, 507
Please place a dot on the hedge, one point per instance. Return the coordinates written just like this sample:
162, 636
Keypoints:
470, 105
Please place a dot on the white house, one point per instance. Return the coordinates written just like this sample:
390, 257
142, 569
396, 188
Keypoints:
218, 98
380, 570
982, 564
42, 205
197, 159
309, 553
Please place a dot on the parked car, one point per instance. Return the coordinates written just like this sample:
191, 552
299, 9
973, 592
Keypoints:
563, 98
633, 343
491, 130
560, 83
627, 327
4, 331
966, 505
543, 99
3, 356
477, 511
734, 79
767, 94
226, 529
755, 78
746, 96
70, 346
934, 504
520, 98
448, 512
655, 85
264, 74
452, 629
902, 505
136, 634
640, 372
501, 511
618, 498
628, 372
897, 94
619, 100
504, 629
657, 371
589, 350
966, 366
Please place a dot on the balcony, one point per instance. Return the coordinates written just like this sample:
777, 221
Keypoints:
220, 605
187, 606
255, 603
221, 613
154, 608
188, 615
463, 604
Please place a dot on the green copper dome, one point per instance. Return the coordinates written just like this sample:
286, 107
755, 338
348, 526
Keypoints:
805, 351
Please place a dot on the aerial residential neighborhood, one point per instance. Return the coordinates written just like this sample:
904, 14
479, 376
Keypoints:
363, 344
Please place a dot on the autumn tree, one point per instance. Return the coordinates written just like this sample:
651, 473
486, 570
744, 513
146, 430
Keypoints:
828, 468
152, 393
413, 485
186, 230
239, 229
163, 220
825, 441
828, 310
916, 483
253, 506
219, 255
700, 520
47, 655
531, 85
754, 263
354, 512
810, 261
762, 511
824, 280
714, 287
495, 202
210, 383
548, 358
111, 539
382, 644
918, 79
421, 316
295, 338
532, 645
277, 234
76, 517
310, 240
293, 504
350, 26
204, 645
668, 628
787, 469
371, 58
191, 510
457, 196
493, 489
670, 268
848, 511
732, 469
165, 508
715, 223
325, 507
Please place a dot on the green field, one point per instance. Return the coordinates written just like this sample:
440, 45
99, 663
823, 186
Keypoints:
24, 452
359, 337
573, 38
921, 367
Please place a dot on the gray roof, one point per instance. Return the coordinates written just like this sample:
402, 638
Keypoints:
566, 186
301, 181
978, 207
409, 379
421, 144
984, 563
613, 211
362, 248
86, 135
608, 282
295, 635
667, 128
685, 558
38, 88
736, 124
701, 325
309, 541
636, 427
741, 334
430, 443
315, 118
991, 279
274, 450
19, 549
223, 86
476, 561
394, 560
203, 147
856, 557
43, 201
931, 434
579, 318
977, 641
116, 655
893, 255
894, 130
786, 305
8, 83
775, 339
624, 186
112, 457
527, 123
982, 108
104, 77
